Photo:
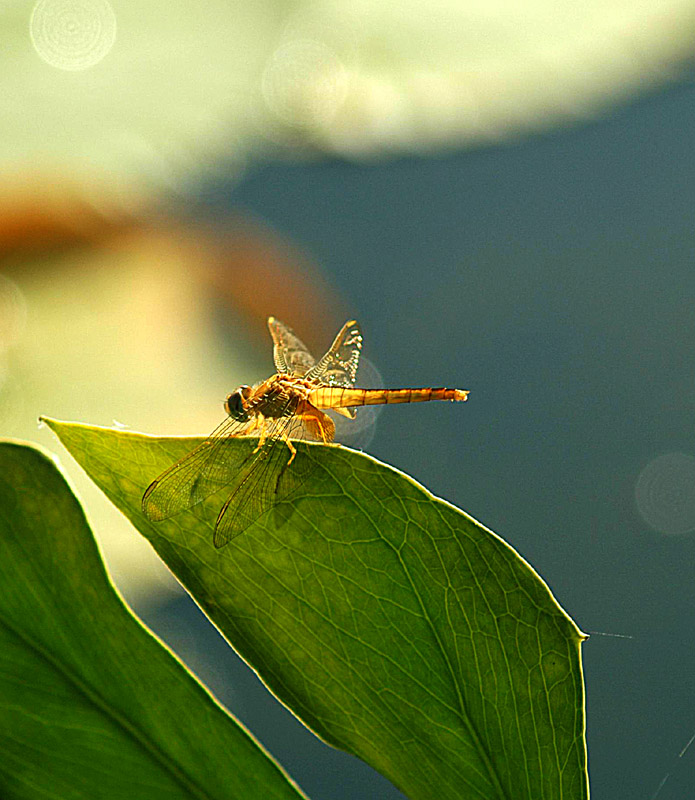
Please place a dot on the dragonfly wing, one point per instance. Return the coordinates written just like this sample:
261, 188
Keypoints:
198, 475
290, 354
339, 366
265, 481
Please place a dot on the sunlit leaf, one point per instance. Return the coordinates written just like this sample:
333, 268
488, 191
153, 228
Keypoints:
394, 625
91, 704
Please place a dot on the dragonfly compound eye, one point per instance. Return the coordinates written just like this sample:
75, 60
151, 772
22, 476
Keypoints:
234, 405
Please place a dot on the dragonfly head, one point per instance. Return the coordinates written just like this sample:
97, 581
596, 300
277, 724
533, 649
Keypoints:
235, 404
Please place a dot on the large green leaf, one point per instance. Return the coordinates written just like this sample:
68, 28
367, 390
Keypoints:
91, 704
393, 624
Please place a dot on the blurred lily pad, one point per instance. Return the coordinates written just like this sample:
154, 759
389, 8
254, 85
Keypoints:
151, 94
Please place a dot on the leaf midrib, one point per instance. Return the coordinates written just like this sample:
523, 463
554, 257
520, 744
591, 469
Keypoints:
460, 712
473, 732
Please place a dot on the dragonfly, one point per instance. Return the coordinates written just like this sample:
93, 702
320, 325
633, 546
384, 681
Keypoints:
273, 415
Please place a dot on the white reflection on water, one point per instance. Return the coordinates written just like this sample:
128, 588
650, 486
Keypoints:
72, 34
665, 493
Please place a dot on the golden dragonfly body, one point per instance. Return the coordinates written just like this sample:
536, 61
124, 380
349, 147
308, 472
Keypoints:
288, 406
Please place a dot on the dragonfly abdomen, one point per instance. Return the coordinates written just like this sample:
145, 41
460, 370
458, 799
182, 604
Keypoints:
340, 397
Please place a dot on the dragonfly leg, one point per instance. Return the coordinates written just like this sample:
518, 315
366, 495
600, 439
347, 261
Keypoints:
323, 430
263, 436
325, 427
293, 449
254, 425
318, 424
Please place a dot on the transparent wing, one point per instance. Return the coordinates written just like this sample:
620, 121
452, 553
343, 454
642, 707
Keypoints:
290, 354
196, 476
259, 480
265, 480
339, 366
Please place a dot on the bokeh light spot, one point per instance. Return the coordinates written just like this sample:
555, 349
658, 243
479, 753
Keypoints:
665, 493
72, 34
304, 83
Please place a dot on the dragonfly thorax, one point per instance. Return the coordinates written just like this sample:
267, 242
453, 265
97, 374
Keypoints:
280, 396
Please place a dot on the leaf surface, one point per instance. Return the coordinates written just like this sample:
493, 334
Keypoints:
91, 704
393, 624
